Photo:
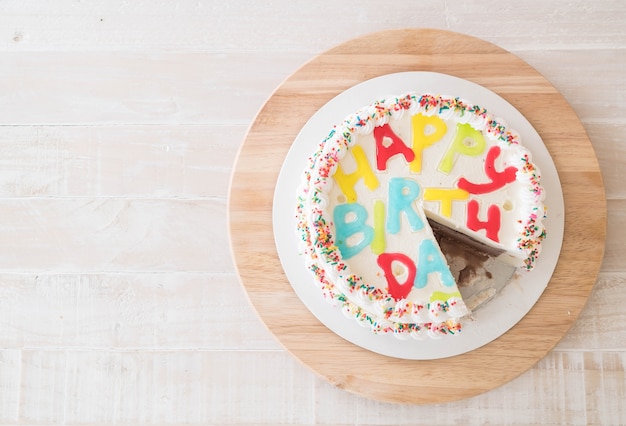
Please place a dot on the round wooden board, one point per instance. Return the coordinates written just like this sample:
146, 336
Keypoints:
359, 370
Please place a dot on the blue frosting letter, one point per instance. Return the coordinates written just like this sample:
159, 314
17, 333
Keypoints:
402, 193
348, 228
431, 261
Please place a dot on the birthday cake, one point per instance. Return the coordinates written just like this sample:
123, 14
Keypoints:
384, 178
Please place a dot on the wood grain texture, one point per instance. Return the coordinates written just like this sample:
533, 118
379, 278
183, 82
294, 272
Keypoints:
400, 380
111, 234
176, 93
298, 26
123, 384
128, 312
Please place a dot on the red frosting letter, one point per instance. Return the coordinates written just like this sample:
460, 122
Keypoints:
398, 291
491, 225
498, 179
397, 146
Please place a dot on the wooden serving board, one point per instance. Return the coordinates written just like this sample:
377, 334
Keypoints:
359, 370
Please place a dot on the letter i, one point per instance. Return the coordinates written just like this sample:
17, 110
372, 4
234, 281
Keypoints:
378, 242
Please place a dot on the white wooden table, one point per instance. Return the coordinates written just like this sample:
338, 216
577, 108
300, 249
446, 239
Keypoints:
119, 125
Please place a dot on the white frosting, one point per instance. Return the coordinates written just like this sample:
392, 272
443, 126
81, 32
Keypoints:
358, 284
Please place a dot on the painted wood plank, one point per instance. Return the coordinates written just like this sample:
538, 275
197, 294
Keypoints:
71, 88
10, 383
208, 25
615, 249
611, 152
114, 161
162, 387
269, 387
604, 380
546, 26
113, 235
140, 311
600, 326
289, 26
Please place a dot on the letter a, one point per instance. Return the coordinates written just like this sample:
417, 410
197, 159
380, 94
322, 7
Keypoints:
431, 261
396, 146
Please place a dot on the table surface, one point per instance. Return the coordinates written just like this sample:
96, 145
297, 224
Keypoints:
119, 126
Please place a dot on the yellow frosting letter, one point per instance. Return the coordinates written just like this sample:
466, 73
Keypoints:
467, 141
378, 242
363, 170
440, 296
426, 131
445, 196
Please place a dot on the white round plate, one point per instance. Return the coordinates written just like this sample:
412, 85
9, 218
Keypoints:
489, 322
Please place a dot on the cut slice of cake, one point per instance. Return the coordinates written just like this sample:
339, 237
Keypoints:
479, 275
384, 178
